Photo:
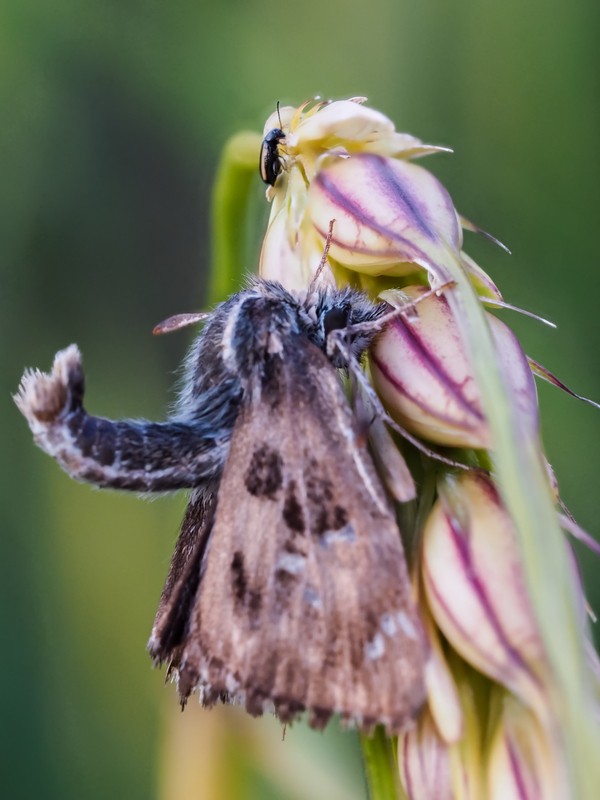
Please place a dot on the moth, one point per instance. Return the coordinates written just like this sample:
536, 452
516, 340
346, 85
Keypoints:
288, 589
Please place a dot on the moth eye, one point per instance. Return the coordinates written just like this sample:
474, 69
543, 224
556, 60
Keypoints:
335, 318
270, 160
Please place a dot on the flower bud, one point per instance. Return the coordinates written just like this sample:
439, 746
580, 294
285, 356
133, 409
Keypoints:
522, 765
389, 215
431, 764
475, 586
442, 693
344, 161
424, 762
421, 370
287, 258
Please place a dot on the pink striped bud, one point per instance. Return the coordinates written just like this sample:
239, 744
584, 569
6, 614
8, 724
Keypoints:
391, 216
521, 762
421, 371
424, 762
475, 586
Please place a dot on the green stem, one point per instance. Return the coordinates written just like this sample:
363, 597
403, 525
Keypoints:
236, 173
381, 766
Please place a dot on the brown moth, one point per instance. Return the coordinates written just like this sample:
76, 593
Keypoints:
288, 589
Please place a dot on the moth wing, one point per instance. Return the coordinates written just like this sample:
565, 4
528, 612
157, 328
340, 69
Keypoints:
304, 602
178, 594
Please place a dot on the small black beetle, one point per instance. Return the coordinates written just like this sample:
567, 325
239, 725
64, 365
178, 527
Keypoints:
270, 161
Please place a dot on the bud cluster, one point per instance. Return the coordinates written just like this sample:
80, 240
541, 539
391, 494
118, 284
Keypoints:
490, 727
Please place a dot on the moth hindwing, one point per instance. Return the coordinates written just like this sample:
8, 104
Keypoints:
288, 589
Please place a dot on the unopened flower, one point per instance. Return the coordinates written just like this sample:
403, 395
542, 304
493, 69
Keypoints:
442, 691
522, 762
391, 216
346, 162
476, 588
424, 762
421, 370
431, 764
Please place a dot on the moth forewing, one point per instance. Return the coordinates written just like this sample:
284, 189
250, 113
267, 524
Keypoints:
304, 601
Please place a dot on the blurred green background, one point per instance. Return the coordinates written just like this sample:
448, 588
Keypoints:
113, 116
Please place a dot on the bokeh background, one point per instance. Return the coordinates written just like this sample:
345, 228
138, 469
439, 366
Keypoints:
113, 116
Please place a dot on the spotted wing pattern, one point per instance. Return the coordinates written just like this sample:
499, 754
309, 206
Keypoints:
302, 599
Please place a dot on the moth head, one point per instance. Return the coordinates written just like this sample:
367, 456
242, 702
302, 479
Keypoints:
336, 317
347, 324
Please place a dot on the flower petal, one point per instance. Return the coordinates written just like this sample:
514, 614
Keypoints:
341, 122
291, 259
390, 463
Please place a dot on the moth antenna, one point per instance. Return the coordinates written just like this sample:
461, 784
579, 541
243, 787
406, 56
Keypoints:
313, 284
279, 115
377, 325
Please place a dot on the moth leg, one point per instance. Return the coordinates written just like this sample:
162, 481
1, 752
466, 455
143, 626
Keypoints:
338, 341
136, 455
